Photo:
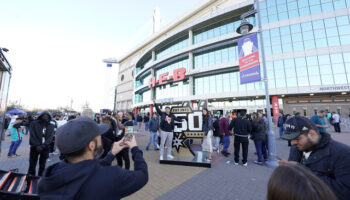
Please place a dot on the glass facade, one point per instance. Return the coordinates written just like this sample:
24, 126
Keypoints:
172, 90
219, 29
177, 45
221, 83
215, 57
298, 70
141, 97
278, 10
143, 65
171, 67
326, 69
309, 35
143, 81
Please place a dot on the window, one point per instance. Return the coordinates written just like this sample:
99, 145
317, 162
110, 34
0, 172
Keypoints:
122, 77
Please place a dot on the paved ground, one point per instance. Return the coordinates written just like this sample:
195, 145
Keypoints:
222, 181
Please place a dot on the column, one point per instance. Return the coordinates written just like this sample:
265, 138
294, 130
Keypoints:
152, 89
190, 37
153, 55
190, 80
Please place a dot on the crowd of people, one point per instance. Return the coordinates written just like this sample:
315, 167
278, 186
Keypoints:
88, 147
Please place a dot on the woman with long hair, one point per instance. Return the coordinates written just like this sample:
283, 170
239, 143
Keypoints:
259, 137
107, 138
207, 144
295, 182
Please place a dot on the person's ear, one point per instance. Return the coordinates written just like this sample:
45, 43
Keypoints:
312, 133
91, 146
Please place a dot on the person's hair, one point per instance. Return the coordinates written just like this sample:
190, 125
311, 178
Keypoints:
321, 111
243, 113
297, 114
167, 107
255, 117
106, 120
132, 115
295, 182
71, 117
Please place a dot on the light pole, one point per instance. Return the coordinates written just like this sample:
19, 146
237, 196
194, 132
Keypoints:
244, 29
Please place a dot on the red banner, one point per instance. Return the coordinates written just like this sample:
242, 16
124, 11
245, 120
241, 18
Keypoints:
275, 108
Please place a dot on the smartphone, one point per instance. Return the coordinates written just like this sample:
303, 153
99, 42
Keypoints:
129, 133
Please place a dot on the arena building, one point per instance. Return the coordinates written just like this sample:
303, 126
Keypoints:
307, 47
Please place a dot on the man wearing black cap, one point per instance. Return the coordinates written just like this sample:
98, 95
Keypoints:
41, 136
327, 158
81, 175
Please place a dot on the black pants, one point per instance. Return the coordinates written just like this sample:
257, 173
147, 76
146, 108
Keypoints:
124, 155
337, 127
237, 143
33, 160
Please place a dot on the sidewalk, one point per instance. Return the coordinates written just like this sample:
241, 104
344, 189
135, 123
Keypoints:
168, 182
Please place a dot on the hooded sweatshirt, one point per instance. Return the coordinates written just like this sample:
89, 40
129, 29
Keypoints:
40, 129
93, 179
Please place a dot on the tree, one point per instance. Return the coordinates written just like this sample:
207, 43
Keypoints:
14, 104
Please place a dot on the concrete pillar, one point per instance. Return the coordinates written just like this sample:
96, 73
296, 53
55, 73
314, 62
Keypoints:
190, 37
190, 60
191, 86
153, 55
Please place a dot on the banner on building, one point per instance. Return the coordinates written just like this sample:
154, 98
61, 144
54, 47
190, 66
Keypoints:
248, 53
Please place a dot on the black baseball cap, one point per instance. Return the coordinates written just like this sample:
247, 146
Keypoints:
296, 126
76, 134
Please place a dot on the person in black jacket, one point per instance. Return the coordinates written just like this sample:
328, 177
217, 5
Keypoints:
108, 137
259, 137
82, 175
242, 129
327, 158
146, 121
124, 154
41, 136
167, 130
216, 134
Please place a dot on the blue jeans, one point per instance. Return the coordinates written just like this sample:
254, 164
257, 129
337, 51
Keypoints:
27, 130
280, 129
152, 137
260, 147
217, 140
13, 147
146, 126
226, 141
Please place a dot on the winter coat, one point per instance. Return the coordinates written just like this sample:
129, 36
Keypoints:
224, 127
166, 121
207, 124
154, 125
216, 128
330, 161
93, 179
242, 127
258, 131
37, 129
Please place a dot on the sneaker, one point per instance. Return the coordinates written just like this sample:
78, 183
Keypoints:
245, 164
161, 158
258, 163
156, 149
17, 155
170, 157
235, 163
11, 156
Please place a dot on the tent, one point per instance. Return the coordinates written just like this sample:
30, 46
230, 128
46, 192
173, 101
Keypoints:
15, 112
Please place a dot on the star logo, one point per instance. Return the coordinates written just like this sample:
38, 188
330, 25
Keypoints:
179, 141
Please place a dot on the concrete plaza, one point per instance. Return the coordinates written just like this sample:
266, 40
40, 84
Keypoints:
222, 181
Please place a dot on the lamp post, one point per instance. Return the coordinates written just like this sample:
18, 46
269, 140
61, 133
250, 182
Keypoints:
244, 29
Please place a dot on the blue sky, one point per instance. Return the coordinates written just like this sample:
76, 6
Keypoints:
56, 46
